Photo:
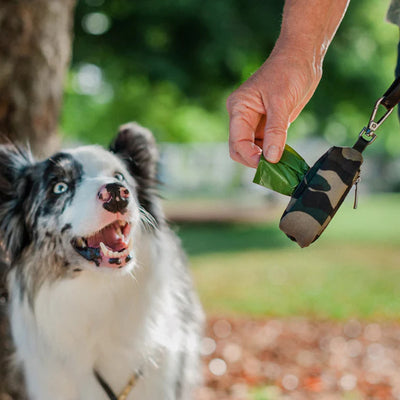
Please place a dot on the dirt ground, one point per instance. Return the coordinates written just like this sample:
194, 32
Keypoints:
300, 359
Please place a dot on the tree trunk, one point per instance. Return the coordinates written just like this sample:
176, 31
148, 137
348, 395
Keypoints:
35, 48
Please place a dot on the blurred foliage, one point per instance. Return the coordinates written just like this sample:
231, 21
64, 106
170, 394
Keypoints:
171, 64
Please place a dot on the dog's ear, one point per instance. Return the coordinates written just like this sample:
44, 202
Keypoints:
13, 188
137, 147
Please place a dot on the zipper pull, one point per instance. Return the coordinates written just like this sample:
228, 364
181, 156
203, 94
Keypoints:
355, 204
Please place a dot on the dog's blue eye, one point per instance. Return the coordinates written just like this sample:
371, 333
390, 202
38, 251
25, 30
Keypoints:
60, 187
118, 176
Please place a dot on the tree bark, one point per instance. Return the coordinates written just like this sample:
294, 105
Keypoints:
35, 48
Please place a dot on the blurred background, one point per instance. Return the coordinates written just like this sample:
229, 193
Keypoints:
283, 322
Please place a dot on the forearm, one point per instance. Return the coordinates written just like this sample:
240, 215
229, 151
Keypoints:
308, 27
263, 107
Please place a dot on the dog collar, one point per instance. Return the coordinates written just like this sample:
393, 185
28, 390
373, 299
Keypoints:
125, 392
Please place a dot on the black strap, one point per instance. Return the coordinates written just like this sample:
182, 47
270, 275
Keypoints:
361, 144
111, 395
392, 96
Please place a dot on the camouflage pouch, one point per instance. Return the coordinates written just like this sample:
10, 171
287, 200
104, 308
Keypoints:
320, 194
325, 186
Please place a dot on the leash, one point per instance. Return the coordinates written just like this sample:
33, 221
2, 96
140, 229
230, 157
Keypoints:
110, 393
367, 136
125, 392
389, 100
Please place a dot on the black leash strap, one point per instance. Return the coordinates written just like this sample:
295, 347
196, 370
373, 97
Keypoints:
392, 95
111, 395
389, 100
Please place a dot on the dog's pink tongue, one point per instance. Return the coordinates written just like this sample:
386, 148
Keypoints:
109, 237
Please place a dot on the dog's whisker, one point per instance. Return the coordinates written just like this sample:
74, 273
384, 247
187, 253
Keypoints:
130, 273
138, 267
147, 220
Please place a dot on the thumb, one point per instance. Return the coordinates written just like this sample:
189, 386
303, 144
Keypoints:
275, 133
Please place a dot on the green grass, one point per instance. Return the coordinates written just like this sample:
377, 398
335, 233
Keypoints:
353, 270
274, 393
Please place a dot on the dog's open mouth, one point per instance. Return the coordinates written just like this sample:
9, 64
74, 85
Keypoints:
109, 247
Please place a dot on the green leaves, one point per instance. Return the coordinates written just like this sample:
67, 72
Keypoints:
284, 176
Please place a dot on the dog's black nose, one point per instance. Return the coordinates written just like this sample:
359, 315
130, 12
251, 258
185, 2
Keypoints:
115, 197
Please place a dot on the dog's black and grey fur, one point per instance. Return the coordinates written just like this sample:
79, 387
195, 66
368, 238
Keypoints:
76, 306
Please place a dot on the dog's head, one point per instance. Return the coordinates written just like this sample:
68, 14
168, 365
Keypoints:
79, 209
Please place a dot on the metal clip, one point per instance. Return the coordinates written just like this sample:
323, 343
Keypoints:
372, 125
367, 135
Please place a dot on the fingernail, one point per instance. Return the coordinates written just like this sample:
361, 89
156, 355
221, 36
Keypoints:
272, 154
255, 159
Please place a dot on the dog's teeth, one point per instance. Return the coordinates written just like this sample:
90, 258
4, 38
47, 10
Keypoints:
122, 223
116, 254
124, 253
80, 243
118, 232
108, 253
104, 249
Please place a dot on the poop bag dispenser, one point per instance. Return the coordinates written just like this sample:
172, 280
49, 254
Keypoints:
323, 187
320, 194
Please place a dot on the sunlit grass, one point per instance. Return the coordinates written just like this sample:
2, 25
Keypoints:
274, 393
351, 271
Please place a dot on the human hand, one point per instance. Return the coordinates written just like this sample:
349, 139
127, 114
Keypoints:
262, 108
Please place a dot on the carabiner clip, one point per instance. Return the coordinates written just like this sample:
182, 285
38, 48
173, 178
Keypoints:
372, 126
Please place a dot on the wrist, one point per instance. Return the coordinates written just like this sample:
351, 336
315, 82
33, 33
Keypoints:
303, 46
307, 58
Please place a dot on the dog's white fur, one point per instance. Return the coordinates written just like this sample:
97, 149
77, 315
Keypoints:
116, 321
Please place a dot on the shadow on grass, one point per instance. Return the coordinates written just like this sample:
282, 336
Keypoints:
218, 238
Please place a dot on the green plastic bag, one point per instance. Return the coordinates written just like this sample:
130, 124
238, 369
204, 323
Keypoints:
284, 176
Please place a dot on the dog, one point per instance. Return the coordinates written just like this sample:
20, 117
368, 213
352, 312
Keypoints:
101, 304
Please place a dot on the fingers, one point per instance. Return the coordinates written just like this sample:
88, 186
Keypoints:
262, 109
242, 147
278, 123
250, 131
246, 153
275, 134
245, 117
274, 146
